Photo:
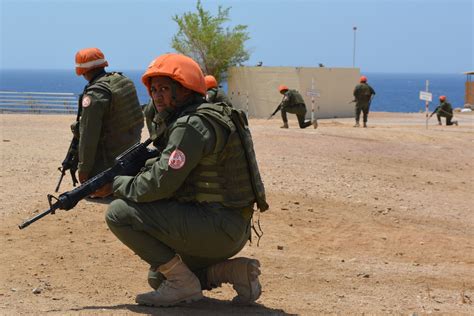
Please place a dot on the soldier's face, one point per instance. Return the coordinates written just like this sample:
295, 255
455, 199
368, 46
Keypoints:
161, 93
161, 89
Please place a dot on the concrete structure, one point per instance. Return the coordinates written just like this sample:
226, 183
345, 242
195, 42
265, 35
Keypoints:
469, 94
255, 89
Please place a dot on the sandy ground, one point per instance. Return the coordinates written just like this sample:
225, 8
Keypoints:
362, 221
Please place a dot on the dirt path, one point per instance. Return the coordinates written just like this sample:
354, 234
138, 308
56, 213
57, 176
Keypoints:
377, 220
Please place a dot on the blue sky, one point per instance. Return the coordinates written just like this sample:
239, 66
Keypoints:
419, 36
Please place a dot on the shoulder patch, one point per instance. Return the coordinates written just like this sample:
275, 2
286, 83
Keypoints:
86, 101
177, 159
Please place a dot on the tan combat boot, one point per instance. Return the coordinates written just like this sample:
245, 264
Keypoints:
315, 124
285, 125
181, 285
356, 124
365, 125
242, 273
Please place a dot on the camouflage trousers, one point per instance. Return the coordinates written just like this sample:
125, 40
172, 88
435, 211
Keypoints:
364, 108
300, 111
448, 117
202, 234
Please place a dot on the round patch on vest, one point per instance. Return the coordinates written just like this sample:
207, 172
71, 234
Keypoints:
177, 159
86, 101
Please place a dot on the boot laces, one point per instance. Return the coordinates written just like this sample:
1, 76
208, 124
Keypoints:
164, 287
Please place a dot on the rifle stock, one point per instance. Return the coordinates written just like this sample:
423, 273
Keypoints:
128, 163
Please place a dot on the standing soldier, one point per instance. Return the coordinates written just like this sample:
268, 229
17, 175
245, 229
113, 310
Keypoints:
444, 109
363, 94
215, 94
293, 103
190, 209
111, 119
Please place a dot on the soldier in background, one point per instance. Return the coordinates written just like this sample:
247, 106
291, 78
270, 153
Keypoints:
111, 119
293, 103
363, 94
444, 109
215, 94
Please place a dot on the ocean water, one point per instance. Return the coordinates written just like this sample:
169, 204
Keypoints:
395, 92
400, 92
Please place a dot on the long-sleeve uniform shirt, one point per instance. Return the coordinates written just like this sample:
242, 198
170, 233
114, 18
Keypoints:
444, 109
363, 93
111, 121
293, 102
190, 139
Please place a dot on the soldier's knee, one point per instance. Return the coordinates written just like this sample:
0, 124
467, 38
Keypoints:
117, 212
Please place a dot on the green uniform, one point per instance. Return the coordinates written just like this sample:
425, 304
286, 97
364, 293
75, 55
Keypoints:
444, 109
293, 103
196, 199
215, 95
363, 95
111, 121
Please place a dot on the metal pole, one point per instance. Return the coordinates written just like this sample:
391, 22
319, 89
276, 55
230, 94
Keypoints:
247, 104
354, 52
427, 103
312, 100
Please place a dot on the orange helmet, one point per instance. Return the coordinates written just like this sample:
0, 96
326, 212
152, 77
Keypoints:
363, 79
88, 59
282, 87
180, 68
211, 82
442, 98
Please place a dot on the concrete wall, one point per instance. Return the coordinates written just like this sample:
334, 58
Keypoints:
256, 89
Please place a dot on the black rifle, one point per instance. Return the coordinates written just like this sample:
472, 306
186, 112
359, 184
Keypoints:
72, 156
128, 163
278, 108
70, 163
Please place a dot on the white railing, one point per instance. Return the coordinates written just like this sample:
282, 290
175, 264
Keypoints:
38, 102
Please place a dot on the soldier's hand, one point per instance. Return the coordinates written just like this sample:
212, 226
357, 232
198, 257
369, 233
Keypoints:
103, 192
83, 176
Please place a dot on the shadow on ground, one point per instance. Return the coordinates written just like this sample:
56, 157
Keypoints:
206, 306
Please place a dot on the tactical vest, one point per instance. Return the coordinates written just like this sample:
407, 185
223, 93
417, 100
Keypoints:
123, 120
229, 175
295, 97
446, 107
362, 92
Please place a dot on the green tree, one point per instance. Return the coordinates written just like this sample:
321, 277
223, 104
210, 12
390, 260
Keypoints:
203, 37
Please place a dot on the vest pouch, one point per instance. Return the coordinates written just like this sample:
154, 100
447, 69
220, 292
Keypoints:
241, 123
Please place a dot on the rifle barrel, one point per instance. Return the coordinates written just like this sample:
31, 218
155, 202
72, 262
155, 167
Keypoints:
132, 159
37, 217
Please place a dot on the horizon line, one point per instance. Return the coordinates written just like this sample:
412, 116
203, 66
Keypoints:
125, 70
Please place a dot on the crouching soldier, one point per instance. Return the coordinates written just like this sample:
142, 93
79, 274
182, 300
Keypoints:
190, 210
